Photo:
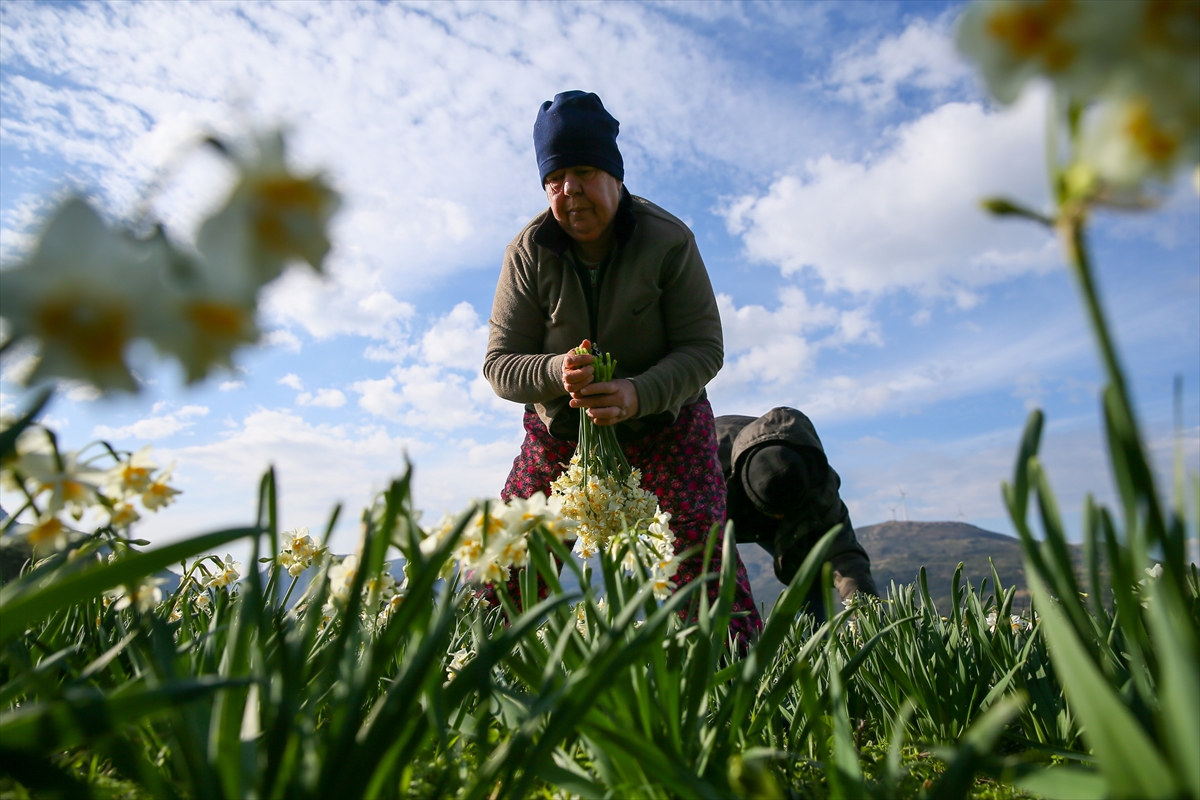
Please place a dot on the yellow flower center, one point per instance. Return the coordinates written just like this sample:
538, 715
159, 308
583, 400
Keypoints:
218, 320
74, 492
1031, 30
47, 531
94, 333
134, 476
279, 197
1157, 144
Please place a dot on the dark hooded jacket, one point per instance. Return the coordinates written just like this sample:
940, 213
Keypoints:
791, 538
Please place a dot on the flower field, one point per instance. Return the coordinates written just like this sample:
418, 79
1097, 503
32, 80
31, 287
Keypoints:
301, 674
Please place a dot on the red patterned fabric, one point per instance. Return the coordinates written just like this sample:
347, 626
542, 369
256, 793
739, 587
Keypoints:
679, 464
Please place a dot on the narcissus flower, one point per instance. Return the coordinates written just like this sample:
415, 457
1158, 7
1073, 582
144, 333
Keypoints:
297, 551
1136, 61
271, 217
144, 596
131, 475
341, 578
229, 574
159, 494
48, 531
458, 659
84, 295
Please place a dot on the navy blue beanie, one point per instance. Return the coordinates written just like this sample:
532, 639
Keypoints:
574, 130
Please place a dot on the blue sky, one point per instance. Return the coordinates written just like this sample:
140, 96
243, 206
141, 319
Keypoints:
828, 156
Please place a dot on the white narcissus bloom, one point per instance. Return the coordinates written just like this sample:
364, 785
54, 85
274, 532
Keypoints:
1075, 44
341, 578
383, 583
458, 660
272, 217
229, 574
145, 595
298, 551
84, 294
1137, 59
47, 531
390, 607
73, 487
123, 515
159, 493
131, 475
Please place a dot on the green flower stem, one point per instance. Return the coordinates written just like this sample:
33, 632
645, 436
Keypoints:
1071, 227
598, 447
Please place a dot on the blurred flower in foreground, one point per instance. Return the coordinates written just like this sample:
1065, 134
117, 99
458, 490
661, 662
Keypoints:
84, 295
89, 290
1137, 61
39, 467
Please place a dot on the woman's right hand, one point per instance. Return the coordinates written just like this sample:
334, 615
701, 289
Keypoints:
577, 369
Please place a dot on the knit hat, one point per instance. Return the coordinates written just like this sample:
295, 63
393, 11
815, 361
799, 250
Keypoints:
777, 479
574, 130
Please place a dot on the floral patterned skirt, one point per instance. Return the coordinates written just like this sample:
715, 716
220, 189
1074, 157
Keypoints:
679, 465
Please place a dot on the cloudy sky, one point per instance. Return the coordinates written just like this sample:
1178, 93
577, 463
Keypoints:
829, 157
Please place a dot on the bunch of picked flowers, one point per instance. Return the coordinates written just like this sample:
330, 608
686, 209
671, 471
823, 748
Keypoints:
603, 494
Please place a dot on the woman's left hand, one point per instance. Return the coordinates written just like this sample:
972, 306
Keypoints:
608, 403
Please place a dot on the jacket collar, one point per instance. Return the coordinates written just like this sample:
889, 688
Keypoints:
550, 235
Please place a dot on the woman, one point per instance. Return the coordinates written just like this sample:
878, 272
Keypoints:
604, 266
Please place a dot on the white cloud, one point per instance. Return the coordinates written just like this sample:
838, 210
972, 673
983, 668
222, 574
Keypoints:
421, 396
229, 386
457, 340
54, 423
82, 393
434, 392
325, 398
908, 217
319, 465
283, 338
155, 426
922, 56
293, 381
779, 348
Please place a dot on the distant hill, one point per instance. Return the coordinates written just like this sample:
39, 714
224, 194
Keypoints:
899, 549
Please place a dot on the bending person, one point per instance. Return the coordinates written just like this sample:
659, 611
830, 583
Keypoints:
783, 495
602, 265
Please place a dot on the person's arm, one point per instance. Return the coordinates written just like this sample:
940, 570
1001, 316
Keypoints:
693, 332
514, 365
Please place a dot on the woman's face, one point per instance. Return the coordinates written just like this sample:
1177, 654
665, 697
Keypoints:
584, 200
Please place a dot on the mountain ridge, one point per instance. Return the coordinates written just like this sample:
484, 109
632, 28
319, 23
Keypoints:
898, 550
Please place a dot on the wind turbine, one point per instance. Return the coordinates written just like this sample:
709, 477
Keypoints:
893, 508
904, 499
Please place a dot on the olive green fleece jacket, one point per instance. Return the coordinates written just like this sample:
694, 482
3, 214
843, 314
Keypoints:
653, 309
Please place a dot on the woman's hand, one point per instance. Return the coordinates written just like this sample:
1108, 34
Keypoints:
608, 403
577, 370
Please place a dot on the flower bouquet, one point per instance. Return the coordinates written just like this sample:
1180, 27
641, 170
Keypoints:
602, 493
